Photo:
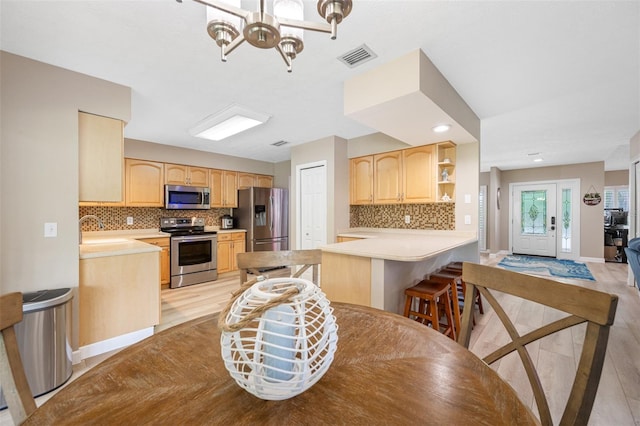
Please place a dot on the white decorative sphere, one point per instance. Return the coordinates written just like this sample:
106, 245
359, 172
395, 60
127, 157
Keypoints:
286, 349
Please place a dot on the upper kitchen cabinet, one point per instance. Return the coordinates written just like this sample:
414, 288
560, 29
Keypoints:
247, 180
101, 158
417, 176
144, 183
178, 174
387, 178
224, 188
446, 171
361, 176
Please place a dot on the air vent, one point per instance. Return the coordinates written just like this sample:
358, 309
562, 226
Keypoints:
279, 143
357, 56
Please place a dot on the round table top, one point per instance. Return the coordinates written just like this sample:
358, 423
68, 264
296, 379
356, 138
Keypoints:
387, 370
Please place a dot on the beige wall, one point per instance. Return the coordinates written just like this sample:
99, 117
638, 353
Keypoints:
333, 150
171, 154
590, 174
39, 170
373, 144
467, 186
616, 178
282, 174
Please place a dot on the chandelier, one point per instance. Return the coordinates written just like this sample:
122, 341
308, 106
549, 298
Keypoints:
230, 25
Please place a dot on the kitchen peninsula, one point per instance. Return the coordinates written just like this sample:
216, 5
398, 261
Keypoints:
372, 267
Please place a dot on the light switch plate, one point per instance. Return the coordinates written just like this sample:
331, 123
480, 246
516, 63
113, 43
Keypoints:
467, 219
467, 198
50, 229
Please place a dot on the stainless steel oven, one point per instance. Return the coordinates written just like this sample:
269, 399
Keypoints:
193, 251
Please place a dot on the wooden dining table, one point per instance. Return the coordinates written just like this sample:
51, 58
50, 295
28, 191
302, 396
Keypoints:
387, 370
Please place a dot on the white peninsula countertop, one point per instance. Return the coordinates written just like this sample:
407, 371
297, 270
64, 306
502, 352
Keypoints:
405, 245
375, 269
118, 243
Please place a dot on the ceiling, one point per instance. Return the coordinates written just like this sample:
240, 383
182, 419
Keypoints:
557, 78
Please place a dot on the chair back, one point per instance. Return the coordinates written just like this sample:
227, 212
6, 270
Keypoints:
258, 261
633, 257
595, 308
12, 376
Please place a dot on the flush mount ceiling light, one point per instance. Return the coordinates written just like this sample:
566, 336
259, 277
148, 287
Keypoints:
228, 122
441, 128
230, 26
537, 157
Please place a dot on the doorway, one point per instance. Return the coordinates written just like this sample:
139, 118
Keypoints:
312, 202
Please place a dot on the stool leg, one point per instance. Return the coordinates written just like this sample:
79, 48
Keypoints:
435, 318
407, 305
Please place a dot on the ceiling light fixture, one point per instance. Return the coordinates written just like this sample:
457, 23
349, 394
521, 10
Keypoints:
441, 128
229, 25
228, 122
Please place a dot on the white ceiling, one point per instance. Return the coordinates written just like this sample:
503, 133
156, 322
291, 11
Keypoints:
560, 78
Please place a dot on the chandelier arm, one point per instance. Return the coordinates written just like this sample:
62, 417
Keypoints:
241, 13
287, 59
234, 43
305, 25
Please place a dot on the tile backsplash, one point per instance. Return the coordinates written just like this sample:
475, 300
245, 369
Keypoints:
115, 218
439, 216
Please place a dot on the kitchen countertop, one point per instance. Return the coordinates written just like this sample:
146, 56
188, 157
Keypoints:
123, 242
405, 245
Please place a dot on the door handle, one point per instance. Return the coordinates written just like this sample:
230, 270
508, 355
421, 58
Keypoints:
553, 223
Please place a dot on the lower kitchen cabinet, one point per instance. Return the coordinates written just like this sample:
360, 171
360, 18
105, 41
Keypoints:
229, 245
165, 258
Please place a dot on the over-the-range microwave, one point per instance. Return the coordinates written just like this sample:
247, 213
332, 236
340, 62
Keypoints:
186, 197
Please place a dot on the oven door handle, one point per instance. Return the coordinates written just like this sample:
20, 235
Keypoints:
187, 238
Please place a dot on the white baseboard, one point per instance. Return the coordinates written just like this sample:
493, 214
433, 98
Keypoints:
592, 259
110, 344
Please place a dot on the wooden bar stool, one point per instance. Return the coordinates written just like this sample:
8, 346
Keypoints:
427, 294
457, 298
456, 268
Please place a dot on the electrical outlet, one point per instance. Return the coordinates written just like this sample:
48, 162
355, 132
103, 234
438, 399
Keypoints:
407, 219
50, 229
129, 220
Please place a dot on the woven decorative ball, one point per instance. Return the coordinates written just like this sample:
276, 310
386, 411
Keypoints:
279, 337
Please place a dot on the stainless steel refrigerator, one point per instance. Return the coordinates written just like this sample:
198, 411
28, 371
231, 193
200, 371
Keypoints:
264, 213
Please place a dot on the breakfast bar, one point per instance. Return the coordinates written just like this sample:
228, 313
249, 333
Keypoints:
374, 266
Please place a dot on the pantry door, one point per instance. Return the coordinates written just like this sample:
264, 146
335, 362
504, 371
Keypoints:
534, 219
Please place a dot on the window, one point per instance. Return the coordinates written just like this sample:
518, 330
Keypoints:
616, 197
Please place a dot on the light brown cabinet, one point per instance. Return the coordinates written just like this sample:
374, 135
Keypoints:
395, 177
345, 239
387, 178
178, 174
229, 245
247, 180
165, 258
361, 180
101, 160
144, 183
418, 182
224, 188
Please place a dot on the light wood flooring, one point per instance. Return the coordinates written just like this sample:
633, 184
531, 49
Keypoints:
618, 398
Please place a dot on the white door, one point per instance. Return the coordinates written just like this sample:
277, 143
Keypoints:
534, 219
313, 207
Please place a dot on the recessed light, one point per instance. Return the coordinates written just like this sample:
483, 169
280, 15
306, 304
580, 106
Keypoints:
538, 160
441, 128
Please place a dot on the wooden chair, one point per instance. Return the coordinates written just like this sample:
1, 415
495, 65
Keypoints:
12, 376
595, 308
258, 262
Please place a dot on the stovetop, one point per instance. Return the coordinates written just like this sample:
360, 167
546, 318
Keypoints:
180, 226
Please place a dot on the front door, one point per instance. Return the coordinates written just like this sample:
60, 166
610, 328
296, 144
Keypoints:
534, 219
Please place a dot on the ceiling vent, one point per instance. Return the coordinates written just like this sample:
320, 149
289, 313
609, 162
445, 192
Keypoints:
279, 143
357, 56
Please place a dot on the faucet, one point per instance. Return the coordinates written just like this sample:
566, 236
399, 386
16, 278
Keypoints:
84, 218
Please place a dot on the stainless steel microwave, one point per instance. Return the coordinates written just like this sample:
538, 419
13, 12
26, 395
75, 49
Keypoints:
178, 197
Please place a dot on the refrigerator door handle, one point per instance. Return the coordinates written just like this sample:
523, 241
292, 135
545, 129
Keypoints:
271, 211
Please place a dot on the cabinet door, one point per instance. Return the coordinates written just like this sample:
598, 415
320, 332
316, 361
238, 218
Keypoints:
238, 247
230, 189
264, 181
224, 256
387, 178
246, 180
101, 159
198, 176
175, 174
216, 179
418, 177
144, 183
361, 180
165, 264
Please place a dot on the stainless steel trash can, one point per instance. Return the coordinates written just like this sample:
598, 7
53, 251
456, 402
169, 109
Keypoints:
43, 339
